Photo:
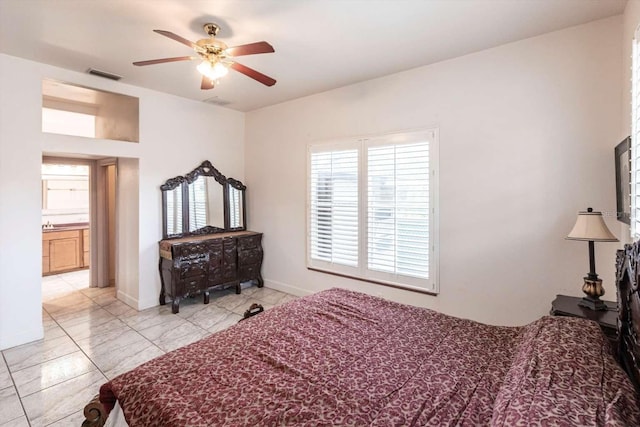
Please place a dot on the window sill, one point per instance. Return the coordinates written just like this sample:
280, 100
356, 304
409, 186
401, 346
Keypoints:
377, 282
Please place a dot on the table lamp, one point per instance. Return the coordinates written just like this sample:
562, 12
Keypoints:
591, 227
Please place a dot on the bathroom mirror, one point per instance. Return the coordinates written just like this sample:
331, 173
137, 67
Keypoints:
202, 202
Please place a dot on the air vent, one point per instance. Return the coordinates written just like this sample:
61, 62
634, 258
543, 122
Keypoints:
216, 101
104, 74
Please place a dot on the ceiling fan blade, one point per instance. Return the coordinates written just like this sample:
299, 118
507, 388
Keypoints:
250, 49
178, 39
206, 84
160, 61
250, 72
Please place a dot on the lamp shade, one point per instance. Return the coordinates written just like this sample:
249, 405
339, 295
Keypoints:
591, 227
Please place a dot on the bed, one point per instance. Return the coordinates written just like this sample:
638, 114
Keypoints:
344, 358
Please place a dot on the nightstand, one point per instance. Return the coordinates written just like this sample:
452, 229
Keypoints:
607, 319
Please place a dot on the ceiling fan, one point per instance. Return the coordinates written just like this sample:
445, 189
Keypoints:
216, 57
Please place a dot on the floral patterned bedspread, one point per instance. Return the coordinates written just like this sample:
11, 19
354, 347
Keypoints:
342, 358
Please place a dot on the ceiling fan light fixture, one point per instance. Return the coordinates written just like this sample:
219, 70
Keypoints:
216, 57
213, 71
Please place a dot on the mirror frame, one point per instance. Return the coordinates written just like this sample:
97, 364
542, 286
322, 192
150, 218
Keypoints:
234, 183
204, 169
169, 185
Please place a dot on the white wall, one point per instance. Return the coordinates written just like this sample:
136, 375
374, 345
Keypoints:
175, 136
526, 134
20, 204
127, 235
631, 20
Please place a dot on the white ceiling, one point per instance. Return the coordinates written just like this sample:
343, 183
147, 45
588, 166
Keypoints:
320, 44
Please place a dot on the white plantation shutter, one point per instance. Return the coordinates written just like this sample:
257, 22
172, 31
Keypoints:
635, 138
398, 209
334, 207
372, 209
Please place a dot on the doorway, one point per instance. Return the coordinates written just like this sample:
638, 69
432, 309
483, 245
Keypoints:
65, 225
79, 226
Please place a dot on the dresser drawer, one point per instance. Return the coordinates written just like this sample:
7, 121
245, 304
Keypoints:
192, 259
194, 270
248, 242
230, 251
249, 256
215, 275
189, 251
229, 272
249, 272
193, 285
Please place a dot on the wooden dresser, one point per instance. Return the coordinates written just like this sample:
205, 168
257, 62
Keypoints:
195, 264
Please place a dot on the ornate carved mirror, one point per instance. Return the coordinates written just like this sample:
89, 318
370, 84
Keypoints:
205, 192
202, 202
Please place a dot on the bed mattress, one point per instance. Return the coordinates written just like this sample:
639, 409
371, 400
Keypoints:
345, 358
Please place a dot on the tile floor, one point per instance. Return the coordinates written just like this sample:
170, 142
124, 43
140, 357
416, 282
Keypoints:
91, 337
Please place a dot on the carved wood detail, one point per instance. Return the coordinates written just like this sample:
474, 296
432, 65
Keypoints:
627, 280
205, 169
172, 183
94, 414
236, 184
191, 267
182, 182
202, 231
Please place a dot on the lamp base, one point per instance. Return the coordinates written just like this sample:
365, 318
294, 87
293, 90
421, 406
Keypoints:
593, 290
595, 304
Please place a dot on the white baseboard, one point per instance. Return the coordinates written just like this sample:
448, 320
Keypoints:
128, 299
143, 305
283, 287
22, 337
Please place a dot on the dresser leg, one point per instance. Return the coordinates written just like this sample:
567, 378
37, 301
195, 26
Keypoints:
206, 297
175, 306
238, 288
260, 281
162, 294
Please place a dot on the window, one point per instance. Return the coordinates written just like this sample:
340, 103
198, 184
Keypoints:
635, 138
372, 209
68, 123
65, 193
81, 111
